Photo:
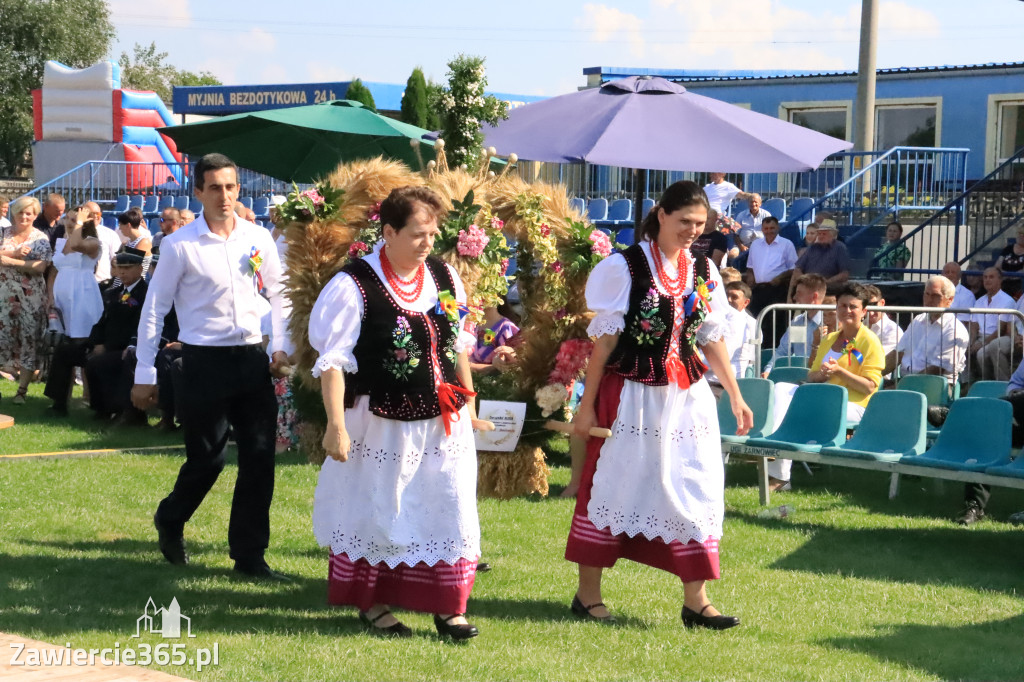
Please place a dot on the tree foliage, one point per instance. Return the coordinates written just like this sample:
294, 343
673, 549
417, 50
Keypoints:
464, 107
414, 99
358, 92
147, 69
434, 92
77, 33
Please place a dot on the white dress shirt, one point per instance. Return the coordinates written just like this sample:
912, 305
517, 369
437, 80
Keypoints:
739, 337
942, 343
211, 285
768, 261
988, 324
720, 196
888, 332
963, 298
748, 219
4, 222
109, 244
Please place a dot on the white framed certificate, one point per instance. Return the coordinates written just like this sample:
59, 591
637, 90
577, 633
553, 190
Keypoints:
508, 418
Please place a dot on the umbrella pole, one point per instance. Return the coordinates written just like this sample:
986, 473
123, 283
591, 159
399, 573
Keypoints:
639, 189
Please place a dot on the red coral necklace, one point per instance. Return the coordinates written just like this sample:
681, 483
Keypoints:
676, 286
408, 290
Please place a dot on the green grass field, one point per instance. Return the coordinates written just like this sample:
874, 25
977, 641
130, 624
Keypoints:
851, 586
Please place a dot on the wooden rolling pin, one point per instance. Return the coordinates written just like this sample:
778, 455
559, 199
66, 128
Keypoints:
567, 427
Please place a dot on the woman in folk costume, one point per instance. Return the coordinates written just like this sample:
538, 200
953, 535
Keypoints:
396, 498
653, 491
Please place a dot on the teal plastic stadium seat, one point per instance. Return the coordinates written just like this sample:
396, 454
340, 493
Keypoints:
934, 387
761, 400
788, 375
816, 418
766, 357
988, 389
1014, 469
893, 426
974, 437
791, 361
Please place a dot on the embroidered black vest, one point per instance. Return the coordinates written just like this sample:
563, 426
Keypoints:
398, 350
642, 351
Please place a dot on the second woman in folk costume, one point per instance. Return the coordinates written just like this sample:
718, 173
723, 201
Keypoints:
396, 498
653, 491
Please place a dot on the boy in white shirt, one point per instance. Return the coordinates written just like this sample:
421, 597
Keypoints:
739, 335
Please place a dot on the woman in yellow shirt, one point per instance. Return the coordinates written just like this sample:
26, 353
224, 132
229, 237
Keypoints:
851, 356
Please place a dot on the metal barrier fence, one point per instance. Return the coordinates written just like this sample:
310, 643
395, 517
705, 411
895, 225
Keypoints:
995, 360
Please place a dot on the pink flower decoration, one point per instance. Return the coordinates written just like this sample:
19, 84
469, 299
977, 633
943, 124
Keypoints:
472, 242
313, 196
504, 266
497, 223
601, 245
358, 249
557, 266
374, 213
570, 361
560, 313
545, 230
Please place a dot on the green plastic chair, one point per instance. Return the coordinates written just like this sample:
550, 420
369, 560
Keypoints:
974, 437
788, 375
988, 389
760, 398
791, 361
816, 418
893, 426
766, 355
934, 387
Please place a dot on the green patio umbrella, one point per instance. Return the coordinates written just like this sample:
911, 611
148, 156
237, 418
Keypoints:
303, 144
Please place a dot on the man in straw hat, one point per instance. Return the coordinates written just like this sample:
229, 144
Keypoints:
826, 257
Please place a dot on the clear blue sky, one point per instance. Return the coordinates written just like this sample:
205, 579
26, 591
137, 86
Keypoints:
540, 47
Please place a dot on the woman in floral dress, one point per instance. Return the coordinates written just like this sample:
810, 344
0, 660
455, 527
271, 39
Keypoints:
24, 255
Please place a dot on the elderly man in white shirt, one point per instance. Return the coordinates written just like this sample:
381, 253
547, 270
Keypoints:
987, 329
934, 343
213, 271
770, 264
754, 215
964, 297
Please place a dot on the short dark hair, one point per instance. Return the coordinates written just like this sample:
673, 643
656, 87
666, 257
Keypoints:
873, 292
401, 204
858, 291
770, 219
896, 223
813, 281
739, 286
175, 213
211, 162
133, 217
678, 195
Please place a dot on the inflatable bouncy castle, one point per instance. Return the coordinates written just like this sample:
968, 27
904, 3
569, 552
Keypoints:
84, 115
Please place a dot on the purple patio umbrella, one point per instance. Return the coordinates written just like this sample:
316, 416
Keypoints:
650, 123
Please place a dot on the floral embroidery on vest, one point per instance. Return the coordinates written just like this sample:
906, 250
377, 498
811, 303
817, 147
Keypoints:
647, 328
405, 356
697, 307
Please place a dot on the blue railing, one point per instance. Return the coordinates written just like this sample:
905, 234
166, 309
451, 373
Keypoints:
104, 181
970, 223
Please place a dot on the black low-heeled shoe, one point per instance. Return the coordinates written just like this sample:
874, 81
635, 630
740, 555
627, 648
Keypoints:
398, 630
579, 609
457, 632
693, 619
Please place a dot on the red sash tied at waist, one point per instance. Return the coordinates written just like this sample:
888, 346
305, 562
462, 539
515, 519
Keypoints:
449, 411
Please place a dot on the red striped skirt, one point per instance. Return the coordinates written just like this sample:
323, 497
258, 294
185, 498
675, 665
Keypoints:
589, 545
441, 588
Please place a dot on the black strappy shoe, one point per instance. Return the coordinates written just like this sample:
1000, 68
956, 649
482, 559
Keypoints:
458, 633
584, 611
397, 630
694, 619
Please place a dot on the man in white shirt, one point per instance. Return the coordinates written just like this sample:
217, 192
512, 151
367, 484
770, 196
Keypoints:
754, 215
109, 242
212, 271
721, 193
887, 331
770, 264
739, 336
986, 330
934, 343
964, 297
996, 358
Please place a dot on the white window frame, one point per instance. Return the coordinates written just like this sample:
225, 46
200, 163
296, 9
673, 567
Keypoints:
992, 126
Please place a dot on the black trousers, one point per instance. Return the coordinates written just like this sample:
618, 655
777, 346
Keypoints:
66, 357
978, 493
110, 375
224, 386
